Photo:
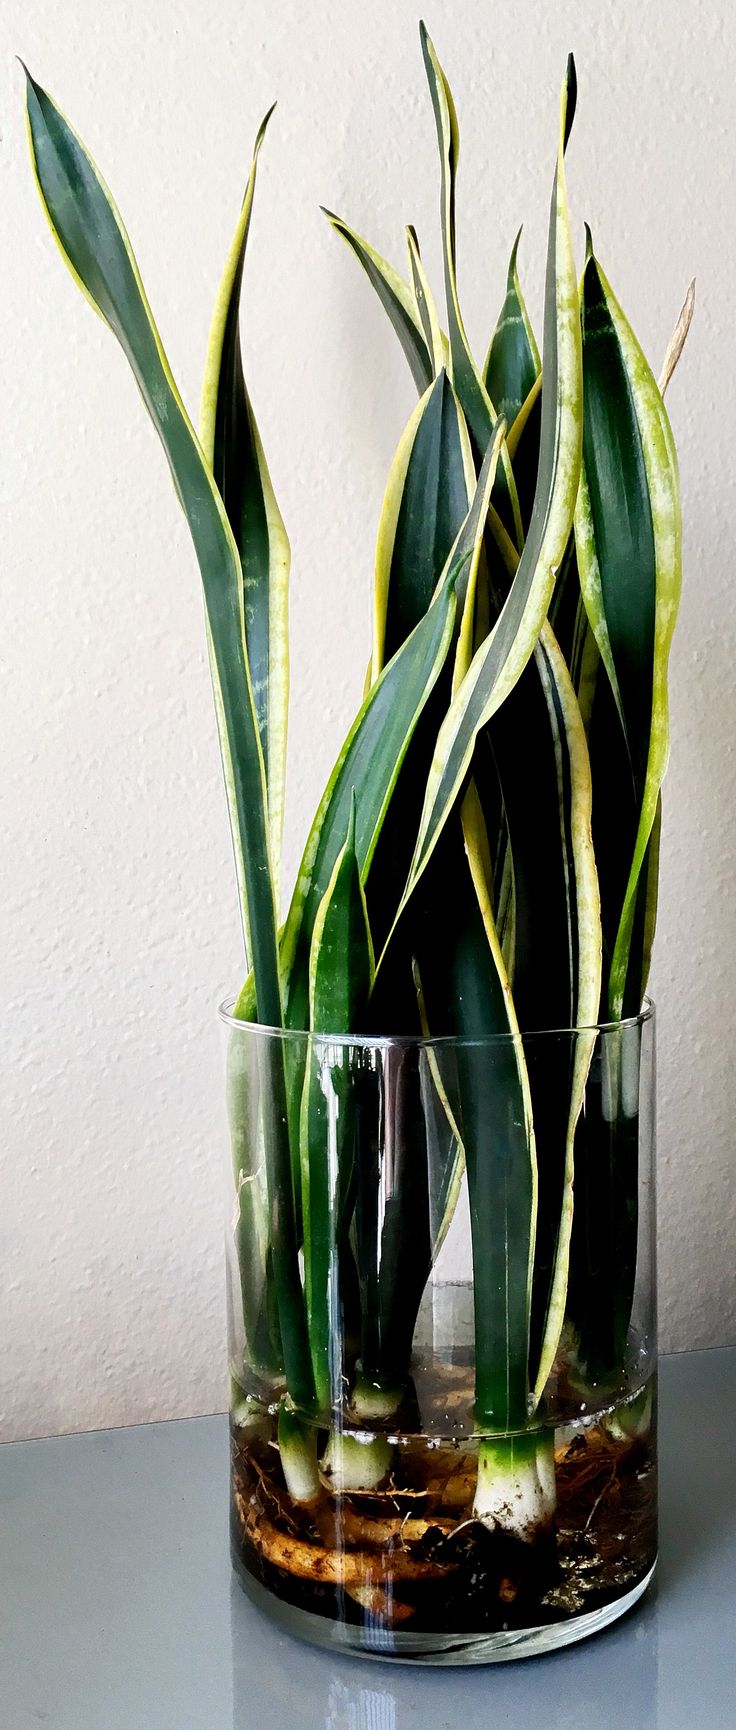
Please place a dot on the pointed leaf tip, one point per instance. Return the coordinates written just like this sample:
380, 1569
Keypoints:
261, 133
429, 52
31, 82
32, 87
569, 99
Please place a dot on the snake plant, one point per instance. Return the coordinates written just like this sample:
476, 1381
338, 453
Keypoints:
484, 857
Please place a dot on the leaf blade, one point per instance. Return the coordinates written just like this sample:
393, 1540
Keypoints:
369, 762
341, 967
425, 305
429, 491
500, 661
90, 234
512, 364
481, 414
628, 536
232, 446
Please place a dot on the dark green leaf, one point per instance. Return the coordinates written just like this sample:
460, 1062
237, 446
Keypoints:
421, 519
628, 536
513, 357
501, 660
368, 765
232, 446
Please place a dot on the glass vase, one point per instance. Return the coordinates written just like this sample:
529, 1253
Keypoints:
442, 1335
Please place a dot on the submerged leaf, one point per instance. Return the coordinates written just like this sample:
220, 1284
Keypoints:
340, 976
500, 1150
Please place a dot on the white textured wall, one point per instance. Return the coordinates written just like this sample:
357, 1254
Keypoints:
119, 929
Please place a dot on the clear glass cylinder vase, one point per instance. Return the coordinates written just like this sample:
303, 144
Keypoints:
442, 1335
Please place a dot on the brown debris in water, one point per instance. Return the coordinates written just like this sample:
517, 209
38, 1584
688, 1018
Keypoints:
414, 1555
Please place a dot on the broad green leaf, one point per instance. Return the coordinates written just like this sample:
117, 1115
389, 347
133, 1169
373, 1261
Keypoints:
396, 299
371, 758
341, 962
398, 1244
479, 411
629, 467
512, 375
430, 486
468, 627
512, 364
614, 525
553, 949
574, 913
628, 539
340, 976
397, 939
369, 763
494, 1102
663, 478
94, 244
501, 660
429, 489
233, 449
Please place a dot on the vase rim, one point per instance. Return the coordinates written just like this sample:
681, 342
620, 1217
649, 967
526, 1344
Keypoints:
379, 1041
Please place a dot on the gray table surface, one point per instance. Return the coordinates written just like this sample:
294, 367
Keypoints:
117, 1610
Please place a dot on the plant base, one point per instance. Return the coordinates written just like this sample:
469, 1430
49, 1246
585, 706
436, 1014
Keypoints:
407, 1569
